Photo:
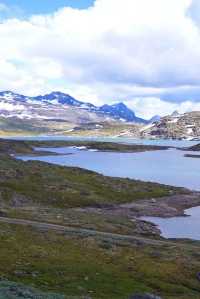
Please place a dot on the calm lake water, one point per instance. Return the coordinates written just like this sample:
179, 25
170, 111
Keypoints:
167, 167
179, 227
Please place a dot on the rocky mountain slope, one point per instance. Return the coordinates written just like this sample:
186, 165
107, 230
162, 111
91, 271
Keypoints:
61, 106
59, 113
50, 107
122, 112
176, 126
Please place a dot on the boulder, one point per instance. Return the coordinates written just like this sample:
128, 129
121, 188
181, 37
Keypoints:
198, 276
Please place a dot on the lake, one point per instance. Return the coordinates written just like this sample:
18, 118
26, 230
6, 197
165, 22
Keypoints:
179, 227
167, 166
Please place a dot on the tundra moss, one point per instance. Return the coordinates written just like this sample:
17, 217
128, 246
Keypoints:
80, 267
64, 187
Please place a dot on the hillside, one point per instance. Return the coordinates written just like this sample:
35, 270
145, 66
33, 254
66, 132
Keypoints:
59, 113
175, 126
69, 231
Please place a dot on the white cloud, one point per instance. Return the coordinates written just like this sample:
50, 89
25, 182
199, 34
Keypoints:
115, 50
148, 107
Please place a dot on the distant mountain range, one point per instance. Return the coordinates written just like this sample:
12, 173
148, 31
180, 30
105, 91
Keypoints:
58, 105
59, 113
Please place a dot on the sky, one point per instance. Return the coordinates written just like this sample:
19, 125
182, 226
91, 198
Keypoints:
145, 53
29, 7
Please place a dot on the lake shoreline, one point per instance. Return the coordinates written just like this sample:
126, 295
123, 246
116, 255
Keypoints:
165, 207
76, 226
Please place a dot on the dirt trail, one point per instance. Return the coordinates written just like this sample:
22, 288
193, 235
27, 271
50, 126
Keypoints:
115, 239
86, 233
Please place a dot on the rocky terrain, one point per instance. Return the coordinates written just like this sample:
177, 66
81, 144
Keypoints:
60, 113
194, 148
10, 290
175, 126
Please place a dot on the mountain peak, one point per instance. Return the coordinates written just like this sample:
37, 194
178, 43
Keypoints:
58, 98
8, 93
117, 111
122, 112
120, 104
175, 113
59, 94
154, 118
9, 96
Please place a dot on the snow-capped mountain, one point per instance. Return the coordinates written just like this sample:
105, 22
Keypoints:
58, 98
11, 96
47, 108
59, 112
122, 112
58, 105
117, 111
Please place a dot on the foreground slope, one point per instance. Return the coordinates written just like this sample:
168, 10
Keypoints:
64, 230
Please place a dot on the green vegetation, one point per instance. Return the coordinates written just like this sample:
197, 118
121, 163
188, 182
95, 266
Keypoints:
105, 129
13, 147
102, 146
99, 265
27, 147
89, 266
13, 126
63, 187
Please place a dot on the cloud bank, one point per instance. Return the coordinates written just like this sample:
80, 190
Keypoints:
144, 52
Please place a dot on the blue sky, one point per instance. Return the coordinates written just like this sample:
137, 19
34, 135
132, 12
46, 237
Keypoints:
46, 6
145, 53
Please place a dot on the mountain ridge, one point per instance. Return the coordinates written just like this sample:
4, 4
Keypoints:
175, 126
117, 111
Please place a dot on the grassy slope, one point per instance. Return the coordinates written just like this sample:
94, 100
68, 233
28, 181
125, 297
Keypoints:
80, 266
26, 147
22, 127
103, 146
63, 187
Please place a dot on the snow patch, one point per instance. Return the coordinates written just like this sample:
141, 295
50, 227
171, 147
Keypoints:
11, 107
147, 127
